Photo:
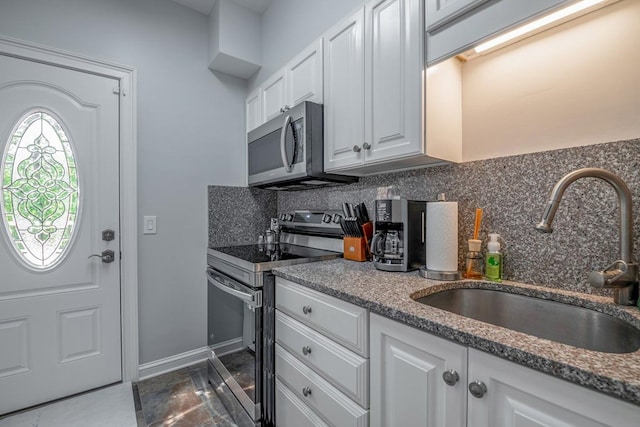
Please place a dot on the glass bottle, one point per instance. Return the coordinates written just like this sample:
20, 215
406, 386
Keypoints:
475, 261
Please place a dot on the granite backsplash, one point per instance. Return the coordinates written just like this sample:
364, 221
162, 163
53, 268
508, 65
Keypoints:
238, 214
512, 191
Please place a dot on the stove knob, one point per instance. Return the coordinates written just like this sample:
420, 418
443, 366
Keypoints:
337, 218
326, 218
282, 217
288, 217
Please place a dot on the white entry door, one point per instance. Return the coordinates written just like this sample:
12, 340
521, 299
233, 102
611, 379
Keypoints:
59, 309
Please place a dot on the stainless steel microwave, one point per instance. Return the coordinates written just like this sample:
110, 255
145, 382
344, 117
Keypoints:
287, 152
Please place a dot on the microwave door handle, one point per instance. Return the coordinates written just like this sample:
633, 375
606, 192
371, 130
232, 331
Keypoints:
243, 296
283, 140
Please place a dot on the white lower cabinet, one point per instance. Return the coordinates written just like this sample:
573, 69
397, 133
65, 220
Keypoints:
408, 388
322, 364
521, 397
318, 393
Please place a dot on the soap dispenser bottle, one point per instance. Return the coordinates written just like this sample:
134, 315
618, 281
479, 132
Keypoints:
493, 267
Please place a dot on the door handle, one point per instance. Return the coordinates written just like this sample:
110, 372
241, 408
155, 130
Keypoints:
106, 256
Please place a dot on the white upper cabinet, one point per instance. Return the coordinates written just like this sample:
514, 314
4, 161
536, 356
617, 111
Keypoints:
254, 110
475, 24
273, 95
374, 91
441, 11
300, 80
304, 76
344, 93
393, 71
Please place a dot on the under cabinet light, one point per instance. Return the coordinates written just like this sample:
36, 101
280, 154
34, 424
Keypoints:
538, 23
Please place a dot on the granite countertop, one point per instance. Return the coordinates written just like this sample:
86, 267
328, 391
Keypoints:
389, 294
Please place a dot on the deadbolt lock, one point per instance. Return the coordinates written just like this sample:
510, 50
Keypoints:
108, 235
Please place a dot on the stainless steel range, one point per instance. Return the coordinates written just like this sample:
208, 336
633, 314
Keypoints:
241, 309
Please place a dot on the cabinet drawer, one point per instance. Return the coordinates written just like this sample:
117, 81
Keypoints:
341, 367
341, 321
293, 412
321, 396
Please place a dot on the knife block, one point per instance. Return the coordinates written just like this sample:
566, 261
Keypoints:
355, 249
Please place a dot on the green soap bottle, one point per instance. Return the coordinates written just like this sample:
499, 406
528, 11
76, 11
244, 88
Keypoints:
493, 267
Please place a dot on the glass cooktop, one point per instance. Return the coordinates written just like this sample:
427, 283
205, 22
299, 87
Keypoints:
263, 257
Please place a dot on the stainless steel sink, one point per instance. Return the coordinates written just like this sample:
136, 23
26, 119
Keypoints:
577, 326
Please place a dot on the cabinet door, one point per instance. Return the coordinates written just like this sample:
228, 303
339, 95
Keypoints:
521, 397
304, 76
441, 11
393, 80
254, 110
407, 388
344, 93
273, 95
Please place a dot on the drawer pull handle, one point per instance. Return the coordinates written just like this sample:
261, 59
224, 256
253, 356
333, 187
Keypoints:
306, 309
306, 350
306, 391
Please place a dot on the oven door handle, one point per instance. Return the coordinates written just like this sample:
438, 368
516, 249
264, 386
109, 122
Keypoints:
249, 298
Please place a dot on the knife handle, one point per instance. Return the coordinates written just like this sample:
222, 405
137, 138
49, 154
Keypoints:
345, 210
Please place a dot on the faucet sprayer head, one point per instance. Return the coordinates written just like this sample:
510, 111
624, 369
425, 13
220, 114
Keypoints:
543, 227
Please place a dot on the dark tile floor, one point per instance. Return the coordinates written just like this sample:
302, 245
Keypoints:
181, 398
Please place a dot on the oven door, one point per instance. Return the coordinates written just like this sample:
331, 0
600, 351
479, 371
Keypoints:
235, 344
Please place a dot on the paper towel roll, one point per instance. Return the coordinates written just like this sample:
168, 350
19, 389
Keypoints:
442, 236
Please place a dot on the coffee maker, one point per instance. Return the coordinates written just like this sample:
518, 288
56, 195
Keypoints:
398, 242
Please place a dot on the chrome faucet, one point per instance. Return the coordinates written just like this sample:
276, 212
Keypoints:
622, 275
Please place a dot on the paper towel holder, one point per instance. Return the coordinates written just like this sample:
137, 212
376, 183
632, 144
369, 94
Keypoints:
439, 275
436, 274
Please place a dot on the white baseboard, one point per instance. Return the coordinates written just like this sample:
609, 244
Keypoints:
229, 346
171, 363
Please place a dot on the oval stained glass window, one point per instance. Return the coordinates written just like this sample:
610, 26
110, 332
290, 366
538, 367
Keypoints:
40, 191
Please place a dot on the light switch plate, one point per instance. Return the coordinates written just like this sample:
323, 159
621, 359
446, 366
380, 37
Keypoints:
149, 225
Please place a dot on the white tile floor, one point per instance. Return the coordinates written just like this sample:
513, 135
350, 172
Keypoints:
108, 407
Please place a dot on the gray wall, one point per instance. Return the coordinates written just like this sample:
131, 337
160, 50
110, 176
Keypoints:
187, 118
288, 26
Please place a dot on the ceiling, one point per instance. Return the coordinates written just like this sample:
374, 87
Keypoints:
205, 6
